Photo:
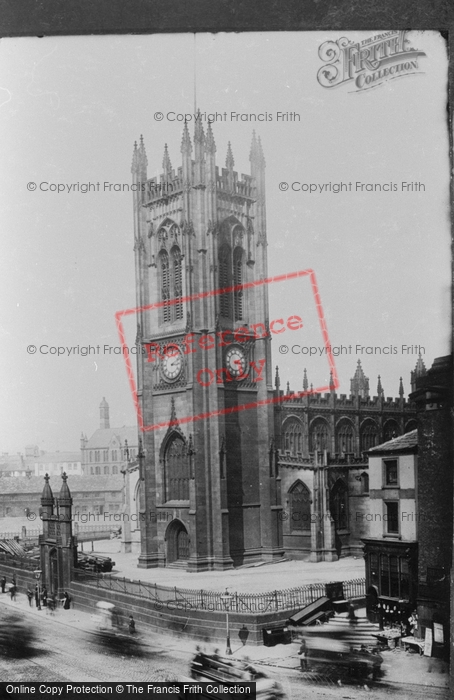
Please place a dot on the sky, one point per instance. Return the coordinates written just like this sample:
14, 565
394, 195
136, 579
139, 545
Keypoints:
70, 111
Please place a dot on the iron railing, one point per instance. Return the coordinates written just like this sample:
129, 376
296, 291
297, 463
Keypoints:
174, 598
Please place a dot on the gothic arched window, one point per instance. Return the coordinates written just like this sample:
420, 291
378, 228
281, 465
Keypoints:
293, 436
345, 438
369, 436
176, 470
238, 279
300, 507
165, 284
390, 430
177, 283
319, 436
339, 504
225, 280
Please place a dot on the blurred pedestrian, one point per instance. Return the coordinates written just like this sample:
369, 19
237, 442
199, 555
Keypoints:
352, 619
30, 596
303, 653
52, 603
66, 601
37, 604
3, 583
12, 591
132, 625
45, 597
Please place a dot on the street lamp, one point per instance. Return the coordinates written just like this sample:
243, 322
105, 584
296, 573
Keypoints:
37, 573
227, 599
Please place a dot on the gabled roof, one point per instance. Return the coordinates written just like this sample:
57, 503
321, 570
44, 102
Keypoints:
102, 438
403, 443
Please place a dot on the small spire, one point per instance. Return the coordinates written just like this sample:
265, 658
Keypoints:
305, 382
64, 491
173, 414
229, 161
288, 388
277, 381
210, 145
141, 153
260, 152
359, 384
379, 387
186, 145
199, 135
420, 369
254, 155
331, 381
401, 388
135, 157
47, 497
140, 452
166, 164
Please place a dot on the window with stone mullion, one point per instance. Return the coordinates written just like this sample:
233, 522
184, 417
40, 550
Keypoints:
177, 284
165, 287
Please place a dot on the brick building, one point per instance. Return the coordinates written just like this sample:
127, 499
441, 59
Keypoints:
391, 550
434, 400
94, 495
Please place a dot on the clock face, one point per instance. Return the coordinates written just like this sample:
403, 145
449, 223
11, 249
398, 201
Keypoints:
172, 362
235, 361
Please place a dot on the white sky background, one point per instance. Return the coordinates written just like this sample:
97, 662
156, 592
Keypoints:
71, 109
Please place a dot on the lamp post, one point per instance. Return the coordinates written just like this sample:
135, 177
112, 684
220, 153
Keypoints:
37, 573
227, 599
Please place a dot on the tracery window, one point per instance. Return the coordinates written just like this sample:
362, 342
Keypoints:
238, 279
165, 285
369, 436
319, 436
293, 437
345, 438
300, 507
390, 430
339, 504
176, 470
225, 280
177, 283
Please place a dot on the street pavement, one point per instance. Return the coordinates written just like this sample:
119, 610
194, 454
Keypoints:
409, 674
259, 578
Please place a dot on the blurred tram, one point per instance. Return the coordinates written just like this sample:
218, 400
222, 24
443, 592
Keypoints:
341, 644
220, 671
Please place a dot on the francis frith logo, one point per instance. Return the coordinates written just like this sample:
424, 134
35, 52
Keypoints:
368, 63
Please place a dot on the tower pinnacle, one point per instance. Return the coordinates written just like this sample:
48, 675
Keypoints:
166, 164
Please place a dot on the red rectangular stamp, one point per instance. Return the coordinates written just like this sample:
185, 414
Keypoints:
172, 356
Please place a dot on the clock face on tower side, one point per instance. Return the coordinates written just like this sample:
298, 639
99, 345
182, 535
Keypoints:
172, 363
235, 361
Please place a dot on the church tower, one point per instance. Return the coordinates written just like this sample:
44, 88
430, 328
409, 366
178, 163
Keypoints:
209, 487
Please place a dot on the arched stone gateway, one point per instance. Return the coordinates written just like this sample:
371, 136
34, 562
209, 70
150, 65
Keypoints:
178, 542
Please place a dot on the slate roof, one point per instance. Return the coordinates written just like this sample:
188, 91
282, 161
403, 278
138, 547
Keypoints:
20, 484
56, 457
403, 443
102, 437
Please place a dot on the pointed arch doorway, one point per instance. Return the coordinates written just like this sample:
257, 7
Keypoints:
177, 538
